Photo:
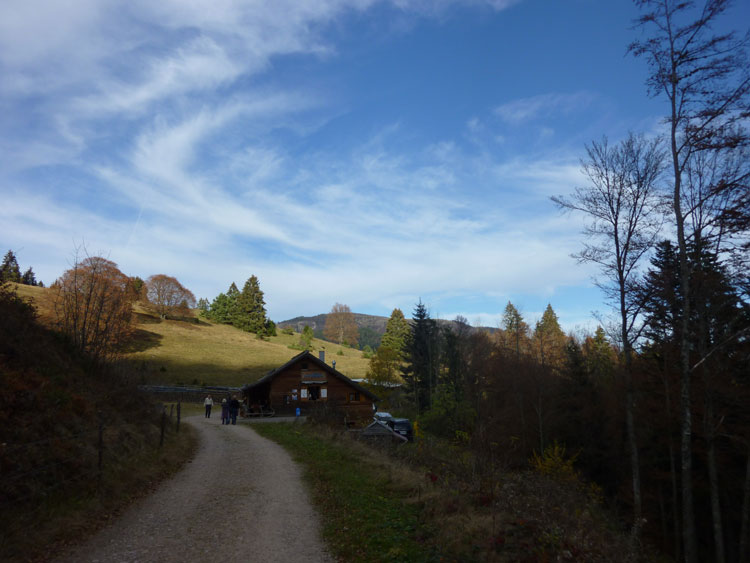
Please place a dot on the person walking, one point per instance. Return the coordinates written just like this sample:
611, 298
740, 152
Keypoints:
234, 408
208, 402
224, 412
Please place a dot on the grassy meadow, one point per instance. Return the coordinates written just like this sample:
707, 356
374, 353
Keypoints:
198, 352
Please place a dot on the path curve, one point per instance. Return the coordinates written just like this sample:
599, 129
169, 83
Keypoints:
240, 499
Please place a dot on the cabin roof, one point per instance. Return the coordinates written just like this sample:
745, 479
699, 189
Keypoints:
308, 357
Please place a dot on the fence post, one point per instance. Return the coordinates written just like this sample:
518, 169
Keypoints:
163, 424
179, 408
171, 411
101, 449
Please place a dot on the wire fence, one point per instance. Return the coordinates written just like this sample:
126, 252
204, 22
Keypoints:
34, 474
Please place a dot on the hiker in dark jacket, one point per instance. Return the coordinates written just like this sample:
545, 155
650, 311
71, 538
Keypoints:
234, 408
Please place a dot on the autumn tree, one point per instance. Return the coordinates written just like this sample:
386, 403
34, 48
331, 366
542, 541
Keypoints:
549, 339
93, 305
704, 78
340, 326
167, 296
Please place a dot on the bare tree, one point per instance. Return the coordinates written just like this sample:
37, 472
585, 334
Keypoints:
704, 77
340, 326
621, 203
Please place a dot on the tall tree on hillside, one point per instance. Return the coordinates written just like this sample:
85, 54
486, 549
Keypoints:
396, 333
516, 329
549, 339
93, 304
420, 371
705, 80
28, 277
250, 314
224, 306
621, 205
9, 270
340, 326
167, 296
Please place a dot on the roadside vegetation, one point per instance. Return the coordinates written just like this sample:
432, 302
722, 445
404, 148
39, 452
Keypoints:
77, 442
425, 502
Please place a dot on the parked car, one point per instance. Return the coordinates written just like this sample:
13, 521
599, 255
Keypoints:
382, 416
402, 426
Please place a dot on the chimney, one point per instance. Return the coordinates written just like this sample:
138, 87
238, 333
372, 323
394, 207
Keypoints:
322, 355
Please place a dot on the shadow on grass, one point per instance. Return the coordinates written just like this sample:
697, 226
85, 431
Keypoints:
142, 340
164, 372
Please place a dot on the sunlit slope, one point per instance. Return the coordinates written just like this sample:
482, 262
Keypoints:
213, 354
188, 352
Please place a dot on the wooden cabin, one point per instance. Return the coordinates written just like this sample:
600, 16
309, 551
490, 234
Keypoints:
307, 382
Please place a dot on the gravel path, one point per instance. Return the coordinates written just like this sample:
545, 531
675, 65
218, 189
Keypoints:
240, 499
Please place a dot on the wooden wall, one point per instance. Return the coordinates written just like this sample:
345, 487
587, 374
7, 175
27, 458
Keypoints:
296, 381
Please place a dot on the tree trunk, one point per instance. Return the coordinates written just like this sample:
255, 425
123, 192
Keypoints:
745, 513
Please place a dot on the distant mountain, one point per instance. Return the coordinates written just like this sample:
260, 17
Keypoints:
371, 327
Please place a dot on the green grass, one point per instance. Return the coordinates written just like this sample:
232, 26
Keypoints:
370, 514
184, 352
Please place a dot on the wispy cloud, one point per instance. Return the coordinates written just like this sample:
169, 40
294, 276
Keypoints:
542, 106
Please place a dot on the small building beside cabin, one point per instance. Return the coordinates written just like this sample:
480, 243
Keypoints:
307, 382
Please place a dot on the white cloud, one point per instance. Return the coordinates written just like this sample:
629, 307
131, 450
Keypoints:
544, 105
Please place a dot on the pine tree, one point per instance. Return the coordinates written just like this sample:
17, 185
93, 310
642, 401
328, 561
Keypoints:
550, 339
422, 358
28, 277
250, 314
516, 330
9, 271
396, 333
224, 306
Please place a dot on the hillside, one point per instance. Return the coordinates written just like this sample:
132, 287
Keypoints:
371, 327
58, 414
201, 352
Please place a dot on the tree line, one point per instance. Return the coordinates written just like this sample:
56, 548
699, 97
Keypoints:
242, 309
667, 379
10, 271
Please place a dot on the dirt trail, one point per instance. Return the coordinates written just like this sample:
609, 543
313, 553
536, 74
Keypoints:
240, 499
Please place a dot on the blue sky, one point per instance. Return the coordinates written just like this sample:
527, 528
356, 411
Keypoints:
365, 152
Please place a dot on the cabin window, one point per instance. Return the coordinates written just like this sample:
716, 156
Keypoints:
323, 393
314, 393
354, 397
303, 393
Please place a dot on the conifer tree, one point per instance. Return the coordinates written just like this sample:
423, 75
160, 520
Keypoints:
396, 333
516, 330
9, 270
28, 277
550, 339
250, 314
420, 371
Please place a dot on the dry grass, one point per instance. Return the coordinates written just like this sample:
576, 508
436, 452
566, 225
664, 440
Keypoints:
202, 352
189, 352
